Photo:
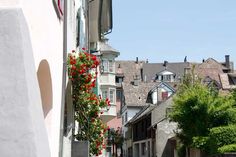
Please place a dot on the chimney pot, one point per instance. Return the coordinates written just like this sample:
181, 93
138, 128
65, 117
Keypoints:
227, 61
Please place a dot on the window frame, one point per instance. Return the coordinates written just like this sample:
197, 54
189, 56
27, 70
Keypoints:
108, 94
108, 65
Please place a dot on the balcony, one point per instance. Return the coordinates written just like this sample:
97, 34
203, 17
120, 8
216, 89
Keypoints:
109, 115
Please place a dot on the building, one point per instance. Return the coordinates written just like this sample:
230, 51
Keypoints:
35, 38
149, 132
220, 75
107, 87
141, 84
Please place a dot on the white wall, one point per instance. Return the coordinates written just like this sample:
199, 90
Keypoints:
46, 35
22, 128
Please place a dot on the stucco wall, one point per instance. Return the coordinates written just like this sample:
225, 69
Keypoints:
46, 36
22, 128
164, 132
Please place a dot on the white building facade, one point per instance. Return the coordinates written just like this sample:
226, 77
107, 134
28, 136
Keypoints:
35, 37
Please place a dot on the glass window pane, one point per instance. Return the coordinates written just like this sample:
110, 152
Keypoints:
104, 94
111, 66
112, 96
105, 65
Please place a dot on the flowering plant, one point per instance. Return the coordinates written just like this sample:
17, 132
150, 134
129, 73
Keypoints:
82, 71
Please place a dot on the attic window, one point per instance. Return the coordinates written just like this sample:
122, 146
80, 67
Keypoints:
164, 77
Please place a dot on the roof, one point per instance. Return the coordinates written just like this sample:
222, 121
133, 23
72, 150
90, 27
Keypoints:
158, 111
227, 82
165, 84
129, 69
107, 49
137, 95
151, 69
143, 112
210, 68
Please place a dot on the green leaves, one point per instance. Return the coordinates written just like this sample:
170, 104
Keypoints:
200, 114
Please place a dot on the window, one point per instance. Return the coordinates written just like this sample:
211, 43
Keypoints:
118, 95
164, 77
168, 77
143, 148
164, 95
105, 65
112, 96
104, 94
111, 66
119, 79
78, 18
108, 66
123, 120
126, 116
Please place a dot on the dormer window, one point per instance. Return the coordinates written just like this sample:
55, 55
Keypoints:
165, 76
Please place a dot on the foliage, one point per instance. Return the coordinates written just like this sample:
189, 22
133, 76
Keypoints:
115, 137
223, 135
201, 142
87, 105
197, 109
227, 148
190, 110
181, 149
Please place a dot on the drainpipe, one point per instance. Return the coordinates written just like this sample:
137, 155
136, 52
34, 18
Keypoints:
87, 25
64, 68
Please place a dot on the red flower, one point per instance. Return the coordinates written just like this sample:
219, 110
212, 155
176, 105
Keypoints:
94, 58
93, 83
100, 152
83, 49
73, 67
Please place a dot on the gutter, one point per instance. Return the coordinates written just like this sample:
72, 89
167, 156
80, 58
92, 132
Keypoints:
64, 69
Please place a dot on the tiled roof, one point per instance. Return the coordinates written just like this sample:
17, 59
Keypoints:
137, 95
225, 81
151, 69
129, 69
158, 111
210, 68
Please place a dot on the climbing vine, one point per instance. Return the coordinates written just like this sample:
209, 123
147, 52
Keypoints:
82, 71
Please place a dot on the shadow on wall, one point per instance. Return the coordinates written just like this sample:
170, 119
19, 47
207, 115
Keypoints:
45, 85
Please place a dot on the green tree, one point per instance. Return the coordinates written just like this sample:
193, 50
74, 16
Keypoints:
197, 109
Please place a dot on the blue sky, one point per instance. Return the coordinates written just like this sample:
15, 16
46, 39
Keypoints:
160, 30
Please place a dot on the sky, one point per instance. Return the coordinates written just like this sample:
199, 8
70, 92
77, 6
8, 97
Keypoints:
160, 30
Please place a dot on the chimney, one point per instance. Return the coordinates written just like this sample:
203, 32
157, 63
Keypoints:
136, 80
185, 59
227, 61
165, 64
141, 71
136, 60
